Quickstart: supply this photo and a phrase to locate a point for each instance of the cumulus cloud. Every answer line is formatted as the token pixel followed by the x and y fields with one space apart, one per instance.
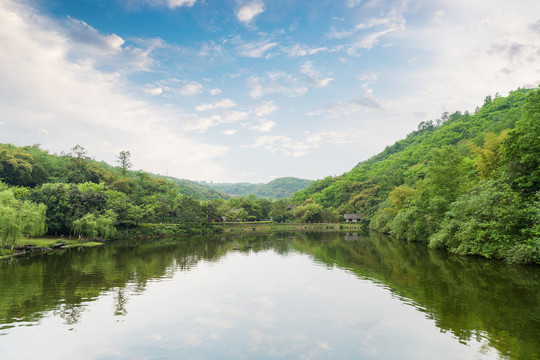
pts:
pixel 265 109
pixel 535 26
pixel 154 91
pixel 194 122
pixel 192 88
pixel 277 82
pixel 220 104
pixel 248 11
pixel 229 132
pixel 42 87
pixel 301 146
pixel 263 126
pixel 86 44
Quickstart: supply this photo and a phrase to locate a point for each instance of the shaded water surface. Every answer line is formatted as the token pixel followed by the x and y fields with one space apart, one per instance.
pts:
pixel 303 296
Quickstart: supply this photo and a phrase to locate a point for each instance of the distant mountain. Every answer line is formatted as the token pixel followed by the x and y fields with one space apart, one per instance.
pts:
pixel 276 189
pixel 200 191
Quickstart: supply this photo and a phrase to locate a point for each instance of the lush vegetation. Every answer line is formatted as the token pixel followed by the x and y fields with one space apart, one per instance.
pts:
pixel 276 189
pixel 469 183
pixel 71 194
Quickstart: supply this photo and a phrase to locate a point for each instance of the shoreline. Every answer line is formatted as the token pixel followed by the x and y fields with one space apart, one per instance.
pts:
pixel 41 245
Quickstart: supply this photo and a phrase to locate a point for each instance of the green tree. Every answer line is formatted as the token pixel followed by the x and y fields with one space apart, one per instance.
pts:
pixel 522 148
pixel 95 225
pixel 124 160
pixel 19 218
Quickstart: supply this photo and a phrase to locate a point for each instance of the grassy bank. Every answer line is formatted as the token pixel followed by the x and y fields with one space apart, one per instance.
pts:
pixel 270 227
pixel 44 244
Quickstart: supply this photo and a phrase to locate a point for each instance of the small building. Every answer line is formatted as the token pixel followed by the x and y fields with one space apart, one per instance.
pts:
pixel 352 217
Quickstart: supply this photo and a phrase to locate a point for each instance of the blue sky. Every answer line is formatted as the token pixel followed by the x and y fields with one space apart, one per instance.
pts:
pixel 236 90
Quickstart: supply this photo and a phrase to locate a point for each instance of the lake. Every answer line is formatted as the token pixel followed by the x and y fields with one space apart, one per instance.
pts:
pixel 287 296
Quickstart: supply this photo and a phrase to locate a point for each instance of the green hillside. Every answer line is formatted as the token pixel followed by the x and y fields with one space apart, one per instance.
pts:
pixel 466 182
pixel 198 190
pixel 276 189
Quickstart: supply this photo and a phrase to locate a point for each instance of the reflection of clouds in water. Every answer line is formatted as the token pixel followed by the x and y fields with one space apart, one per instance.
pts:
pixel 263 301
pixel 265 319
pixel 220 323
pixel 290 343
pixel 191 339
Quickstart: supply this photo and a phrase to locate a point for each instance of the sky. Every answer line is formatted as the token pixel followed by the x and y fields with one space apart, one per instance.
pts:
pixel 252 90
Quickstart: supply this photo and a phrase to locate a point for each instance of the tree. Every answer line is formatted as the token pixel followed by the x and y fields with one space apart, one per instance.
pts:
pixel 522 147
pixel 59 211
pixel 489 156
pixel 95 225
pixel 19 218
pixel 124 159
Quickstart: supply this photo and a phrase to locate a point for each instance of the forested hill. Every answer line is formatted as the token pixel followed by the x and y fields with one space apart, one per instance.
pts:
pixel 279 188
pixel 466 182
pixel 31 166
pixel 193 188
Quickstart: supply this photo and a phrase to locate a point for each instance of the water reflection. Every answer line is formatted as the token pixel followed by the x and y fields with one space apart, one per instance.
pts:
pixel 477 301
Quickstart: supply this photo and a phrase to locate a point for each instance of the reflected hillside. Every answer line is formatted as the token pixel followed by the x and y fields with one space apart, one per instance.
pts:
pixel 63 281
pixel 470 297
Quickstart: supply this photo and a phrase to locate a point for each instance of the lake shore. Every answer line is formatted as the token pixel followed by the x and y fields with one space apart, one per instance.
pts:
pixel 40 245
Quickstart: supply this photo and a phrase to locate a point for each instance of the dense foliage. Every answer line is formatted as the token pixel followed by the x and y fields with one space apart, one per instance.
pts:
pixel 71 194
pixel 279 188
pixel 469 183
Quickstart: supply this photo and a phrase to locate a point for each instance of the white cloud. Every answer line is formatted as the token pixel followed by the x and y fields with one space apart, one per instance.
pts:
pixel 193 122
pixel 439 18
pixel 353 3
pixel 255 49
pixel 367 101
pixel 43 88
pixel 192 88
pixel 171 4
pixel 154 91
pixel 220 104
pixel 87 45
pixel 280 144
pixel 314 77
pixel 263 126
pixel 299 50
pixel 177 3
pixel 287 146
pixel 233 116
pixel 247 12
pixel 266 109
pixel 215 91
pixel 229 132
pixel 277 82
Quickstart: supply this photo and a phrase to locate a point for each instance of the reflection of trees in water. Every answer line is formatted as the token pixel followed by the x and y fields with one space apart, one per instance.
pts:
pixel 71 313
pixel 120 301
pixel 61 282
pixel 474 299
pixel 471 298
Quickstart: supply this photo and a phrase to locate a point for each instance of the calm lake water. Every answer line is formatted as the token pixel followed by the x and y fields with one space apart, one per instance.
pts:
pixel 303 296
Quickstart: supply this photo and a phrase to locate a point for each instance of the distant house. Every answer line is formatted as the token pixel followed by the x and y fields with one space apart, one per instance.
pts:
pixel 352 217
